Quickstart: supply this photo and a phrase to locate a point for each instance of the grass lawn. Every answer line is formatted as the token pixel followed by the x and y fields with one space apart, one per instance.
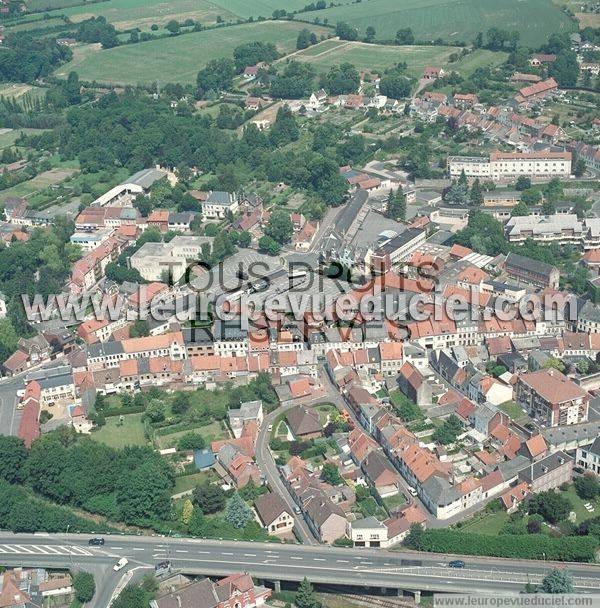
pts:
pixel 178 58
pixel 9 136
pixel 379 57
pixel 323 47
pixel 512 409
pixel 580 511
pixel 126 14
pixel 189 482
pixel 210 432
pixel 118 435
pixel 451 20
pixel 490 523
pixel 325 411
pixel 479 58
pixel 392 502
pixel 39 182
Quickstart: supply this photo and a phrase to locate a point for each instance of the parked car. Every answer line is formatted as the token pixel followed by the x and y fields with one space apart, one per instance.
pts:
pixel 412 491
pixel 96 542
pixel 456 563
pixel 120 564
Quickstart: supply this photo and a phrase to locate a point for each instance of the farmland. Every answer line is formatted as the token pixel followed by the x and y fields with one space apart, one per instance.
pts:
pixel 259 8
pixel 143 13
pixel 378 57
pixel 451 20
pixel 178 59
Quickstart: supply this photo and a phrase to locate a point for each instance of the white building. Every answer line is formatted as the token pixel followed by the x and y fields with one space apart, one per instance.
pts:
pixel 510 165
pixel 216 206
pixel 588 457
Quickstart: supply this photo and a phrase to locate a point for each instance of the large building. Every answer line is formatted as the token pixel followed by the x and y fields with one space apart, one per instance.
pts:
pixel 510 165
pixel 552 398
pixel 218 204
pixel 560 228
pixel 531 271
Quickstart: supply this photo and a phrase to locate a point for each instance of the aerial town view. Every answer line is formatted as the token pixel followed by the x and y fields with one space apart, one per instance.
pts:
pixel 299 303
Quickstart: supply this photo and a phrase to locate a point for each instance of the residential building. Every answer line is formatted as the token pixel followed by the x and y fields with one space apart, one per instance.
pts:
pixel 219 204
pixel 549 473
pixel 273 514
pixel 588 457
pixel 531 271
pixel 552 398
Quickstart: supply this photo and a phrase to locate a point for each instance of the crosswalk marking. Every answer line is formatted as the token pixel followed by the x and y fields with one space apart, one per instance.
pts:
pixel 45 550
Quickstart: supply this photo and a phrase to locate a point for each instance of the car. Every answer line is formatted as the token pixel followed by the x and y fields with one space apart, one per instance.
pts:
pixel 412 491
pixel 96 542
pixel 120 564
pixel 297 510
pixel 163 567
pixel 270 428
pixel 456 563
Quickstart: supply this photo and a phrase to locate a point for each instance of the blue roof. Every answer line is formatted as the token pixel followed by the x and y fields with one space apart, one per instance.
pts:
pixel 203 458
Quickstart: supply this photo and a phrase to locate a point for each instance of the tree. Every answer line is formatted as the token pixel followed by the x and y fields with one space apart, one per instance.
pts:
pixel 139 329
pixel 181 403
pixel 579 167
pixel 285 129
pixel 187 511
pixel 396 205
pixel 476 196
pixel 370 34
pixel 244 238
pixel 304 39
pixel 238 513
pixel 341 79
pixel 252 53
pixel 587 487
pixel 565 69
pixel 520 209
pixel 216 76
pixel 305 597
pixel 84 586
pixel 295 82
pixel 279 226
pixel 197 523
pixel 209 497
pixel 131 597
pixel 395 86
pixel 330 474
pixel 13 455
pixel 557 581
pixel 522 183
pixel 345 31
pixel 191 441
pixel 173 27
pixel 448 431
pixel 553 507
pixel 405 36
pixel 8 339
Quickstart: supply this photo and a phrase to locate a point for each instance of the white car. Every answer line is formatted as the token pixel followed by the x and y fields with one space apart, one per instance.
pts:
pixel 412 491
pixel 120 564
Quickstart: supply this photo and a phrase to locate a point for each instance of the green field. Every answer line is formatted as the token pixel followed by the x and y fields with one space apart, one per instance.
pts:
pixel 259 8
pixel 39 182
pixel 9 136
pixel 488 523
pixel 143 13
pixel 117 435
pixel 177 59
pixel 451 19
pixel 49 5
pixel 210 432
pixel 378 57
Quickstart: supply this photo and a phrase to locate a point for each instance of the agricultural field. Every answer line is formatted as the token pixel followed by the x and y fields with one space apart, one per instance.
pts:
pixel 126 14
pixel 179 58
pixel 39 182
pixel 49 5
pixel 9 136
pixel 378 57
pixel 259 8
pixel 451 20
pixel 19 90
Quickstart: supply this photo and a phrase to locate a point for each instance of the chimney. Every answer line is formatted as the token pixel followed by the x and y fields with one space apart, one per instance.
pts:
pixel 561 460
pixel 550 372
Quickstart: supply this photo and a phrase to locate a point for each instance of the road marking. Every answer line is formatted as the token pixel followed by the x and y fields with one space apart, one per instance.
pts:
pixel 205 552
pixel 319 559
pixel 342 561
pixel 293 557
pixel 227 553
pixel 249 554
pixel 117 548
pixel 181 551
pixel 51 549
pixel 25 549
pixel 138 549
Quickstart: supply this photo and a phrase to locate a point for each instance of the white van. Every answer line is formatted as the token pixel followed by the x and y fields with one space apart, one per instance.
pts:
pixel 120 564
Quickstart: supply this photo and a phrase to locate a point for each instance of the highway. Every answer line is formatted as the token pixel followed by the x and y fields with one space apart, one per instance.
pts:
pixel 273 561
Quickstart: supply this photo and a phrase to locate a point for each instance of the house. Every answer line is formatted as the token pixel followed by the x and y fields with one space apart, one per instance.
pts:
pixel 273 514
pixel 249 410
pixel 513 497
pixel 413 384
pixel 548 473
pixel 432 73
pixel 219 204
pixel 304 422
pixel 539 59
pixel 551 397
pixel 317 100
pixel 235 591
pixel 56 586
pixel 368 532
pixel 326 519
pixel 588 457
pixel 381 474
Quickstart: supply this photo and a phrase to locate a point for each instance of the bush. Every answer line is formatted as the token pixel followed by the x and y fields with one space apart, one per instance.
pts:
pixel 532 546
pixel 84 586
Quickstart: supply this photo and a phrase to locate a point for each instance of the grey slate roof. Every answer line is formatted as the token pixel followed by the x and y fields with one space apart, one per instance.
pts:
pixel 544 466
pixel 440 491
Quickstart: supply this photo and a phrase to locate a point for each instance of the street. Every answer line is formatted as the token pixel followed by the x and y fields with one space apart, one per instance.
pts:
pixel 10 416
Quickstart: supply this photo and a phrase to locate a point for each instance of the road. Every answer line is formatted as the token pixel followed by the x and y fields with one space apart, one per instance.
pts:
pixel 268 468
pixel 271 561
pixel 9 414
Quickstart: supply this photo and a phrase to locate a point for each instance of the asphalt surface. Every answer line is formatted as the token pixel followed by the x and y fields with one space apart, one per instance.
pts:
pixel 10 416
pixel 271 561
pixel 268 468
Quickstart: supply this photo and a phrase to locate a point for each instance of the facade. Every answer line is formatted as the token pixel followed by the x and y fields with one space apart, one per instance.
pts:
pixel 219 204
pixel 550 397
pixel 531 271
pixel 510 165
pixel 549 473
pixel 273 514
pixel 588 457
